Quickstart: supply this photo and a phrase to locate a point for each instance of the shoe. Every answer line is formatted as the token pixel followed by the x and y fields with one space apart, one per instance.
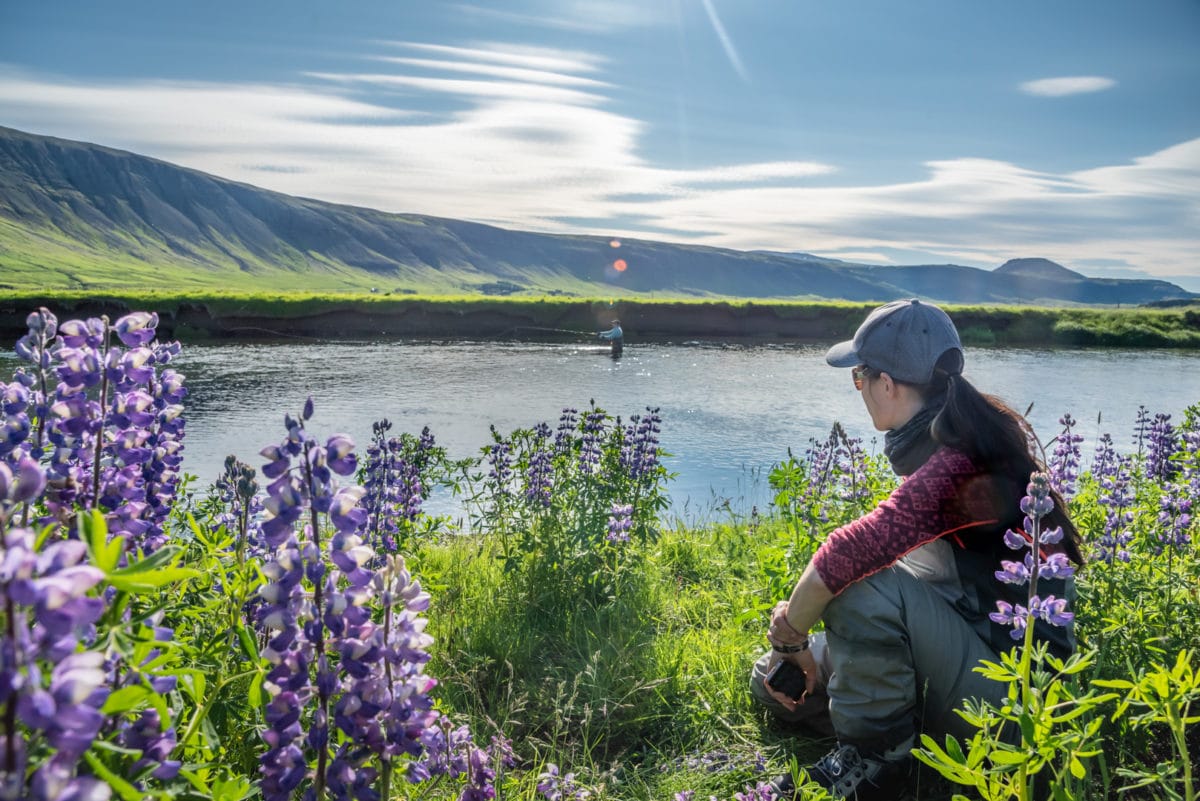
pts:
pixel 846 773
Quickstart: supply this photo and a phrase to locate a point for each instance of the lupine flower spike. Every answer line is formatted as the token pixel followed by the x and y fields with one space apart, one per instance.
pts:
pixel 1036 504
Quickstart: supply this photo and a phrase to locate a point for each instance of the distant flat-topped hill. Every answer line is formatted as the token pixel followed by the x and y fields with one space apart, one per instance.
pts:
pixel 79 216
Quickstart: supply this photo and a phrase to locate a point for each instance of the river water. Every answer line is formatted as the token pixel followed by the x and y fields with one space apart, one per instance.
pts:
pixel 729 412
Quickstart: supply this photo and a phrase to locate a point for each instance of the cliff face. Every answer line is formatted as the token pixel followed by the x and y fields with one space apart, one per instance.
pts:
pixel 76 215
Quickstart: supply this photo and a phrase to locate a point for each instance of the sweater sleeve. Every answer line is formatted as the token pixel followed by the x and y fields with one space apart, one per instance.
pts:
pixel 935 501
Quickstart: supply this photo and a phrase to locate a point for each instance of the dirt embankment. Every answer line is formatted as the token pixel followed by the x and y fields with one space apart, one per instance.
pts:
pixel 196 321
pixel 262 317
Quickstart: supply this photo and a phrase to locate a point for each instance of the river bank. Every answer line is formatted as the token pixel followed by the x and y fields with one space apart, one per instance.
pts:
pixel 199 317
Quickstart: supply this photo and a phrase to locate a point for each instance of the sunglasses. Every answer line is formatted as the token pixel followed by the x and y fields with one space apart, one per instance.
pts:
pixel 859 374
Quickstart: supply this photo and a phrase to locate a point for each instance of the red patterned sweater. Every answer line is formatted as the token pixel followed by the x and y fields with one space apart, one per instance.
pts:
pixel 948 496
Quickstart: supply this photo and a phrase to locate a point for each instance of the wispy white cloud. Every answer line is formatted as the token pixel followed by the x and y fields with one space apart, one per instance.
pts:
pixel 750 173
pixel 1068 85
pixel 859 256
pixel 594 16
pixel 491 90
pixel 494 71
pixel 531 150
pixel 546 59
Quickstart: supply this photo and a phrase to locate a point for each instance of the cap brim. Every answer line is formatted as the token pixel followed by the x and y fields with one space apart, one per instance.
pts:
pixel 842 354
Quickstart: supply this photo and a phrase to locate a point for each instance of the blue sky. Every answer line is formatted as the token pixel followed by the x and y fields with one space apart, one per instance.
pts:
pixel 877 131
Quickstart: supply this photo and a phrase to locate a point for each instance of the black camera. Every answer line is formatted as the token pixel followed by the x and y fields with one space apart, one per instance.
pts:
pixel 788 679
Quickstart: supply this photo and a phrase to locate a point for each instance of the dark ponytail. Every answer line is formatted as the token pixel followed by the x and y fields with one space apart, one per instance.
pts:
pixel 993 434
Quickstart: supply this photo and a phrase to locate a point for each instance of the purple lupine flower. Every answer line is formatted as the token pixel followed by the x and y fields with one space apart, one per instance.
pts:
pixel 556 787
pixel 1141 428
pixel 1007 614
pixel 1036 504
pixel 501 751
pixel 821 460
pixel 565 435
pixel 55 780
pixel 1057 566
pixel 333 665
pixel 156 743
pixel 15 425
pixel 762 791
pixel 850 466
pixel 395 484
pixel 1190 456
pixel 475 764
pixel 639 453
pixel 19 484
pixel 237 490
pixel 539 476
pixel 116 448
pixel 1104 463
pixel 37 347
pixel 136 329
pixel 1116 494
pixel 1162 445
pixel 620 520
pixel 380 480
pixel 1063 466
pixel 1175 516
pixel 499 456
pixel 1015 572
pixel 49 612
pixel 591 440
pixel 1052 610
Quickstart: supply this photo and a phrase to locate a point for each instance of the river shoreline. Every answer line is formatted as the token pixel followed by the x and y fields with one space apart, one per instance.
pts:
pixel 260 317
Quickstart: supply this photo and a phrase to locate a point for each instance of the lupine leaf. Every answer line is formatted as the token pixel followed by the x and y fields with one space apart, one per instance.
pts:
pixel 255 693
pixel 144 580
pixel 249 646
pixel 1006 757
pixel 124 699
pixel 124 789
pixel 105 554
pixel 954 750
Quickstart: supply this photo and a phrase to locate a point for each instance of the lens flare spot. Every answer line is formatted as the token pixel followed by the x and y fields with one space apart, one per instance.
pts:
pixel 619 265
pixel 616 243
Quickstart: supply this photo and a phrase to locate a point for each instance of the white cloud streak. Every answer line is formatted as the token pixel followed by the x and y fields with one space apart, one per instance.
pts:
pixel 591 16
pixel 532 58
pixel 530 150
pixel 1069 85
pixel 726 42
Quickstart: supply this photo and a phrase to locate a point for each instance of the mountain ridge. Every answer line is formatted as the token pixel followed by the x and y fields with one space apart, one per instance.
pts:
pixel 78 215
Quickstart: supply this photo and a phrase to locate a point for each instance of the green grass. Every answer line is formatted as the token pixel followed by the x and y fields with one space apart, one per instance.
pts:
pixel 624 692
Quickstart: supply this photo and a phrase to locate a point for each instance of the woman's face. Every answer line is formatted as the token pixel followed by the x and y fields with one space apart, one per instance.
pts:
pixel 889 404
pixel 871 387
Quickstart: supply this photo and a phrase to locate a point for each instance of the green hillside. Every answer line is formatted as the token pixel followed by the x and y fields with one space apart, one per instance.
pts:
pixel 80 216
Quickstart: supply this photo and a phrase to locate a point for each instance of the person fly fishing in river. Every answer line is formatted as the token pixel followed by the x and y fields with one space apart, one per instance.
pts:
pixel 615 336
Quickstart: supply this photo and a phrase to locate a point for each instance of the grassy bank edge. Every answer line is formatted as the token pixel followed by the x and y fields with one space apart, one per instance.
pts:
pixel 196 315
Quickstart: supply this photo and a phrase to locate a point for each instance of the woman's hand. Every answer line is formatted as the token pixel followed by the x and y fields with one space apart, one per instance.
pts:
pixel 781 632
pixel 803 660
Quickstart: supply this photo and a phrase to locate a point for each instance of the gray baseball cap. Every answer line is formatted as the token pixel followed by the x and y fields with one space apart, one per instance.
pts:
pixel 905 339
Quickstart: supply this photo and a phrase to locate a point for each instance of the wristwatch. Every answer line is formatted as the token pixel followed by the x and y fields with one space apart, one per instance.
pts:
pixel 790 649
